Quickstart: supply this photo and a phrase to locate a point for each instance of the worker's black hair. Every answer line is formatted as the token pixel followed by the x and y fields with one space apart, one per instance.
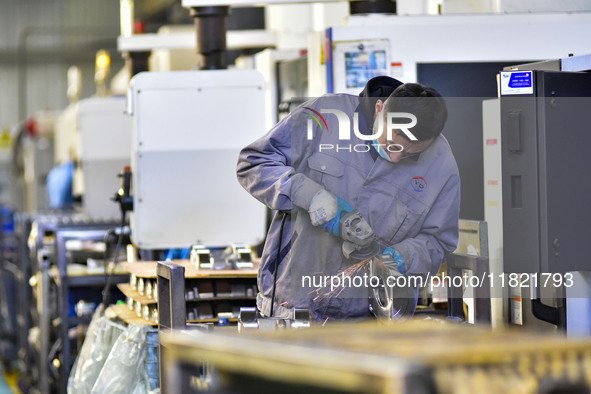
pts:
pixel 377 88
pixel 425 103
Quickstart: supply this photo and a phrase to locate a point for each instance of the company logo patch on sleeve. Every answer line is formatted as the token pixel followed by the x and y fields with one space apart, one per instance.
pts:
pixel 418 183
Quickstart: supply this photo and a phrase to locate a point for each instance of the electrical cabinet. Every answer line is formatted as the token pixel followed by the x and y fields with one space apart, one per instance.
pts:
pixel 545 126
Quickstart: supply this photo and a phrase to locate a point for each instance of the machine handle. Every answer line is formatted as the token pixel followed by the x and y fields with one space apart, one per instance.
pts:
pixel 514 132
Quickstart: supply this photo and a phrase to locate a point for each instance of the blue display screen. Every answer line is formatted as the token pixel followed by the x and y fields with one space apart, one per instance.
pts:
pixel 521 80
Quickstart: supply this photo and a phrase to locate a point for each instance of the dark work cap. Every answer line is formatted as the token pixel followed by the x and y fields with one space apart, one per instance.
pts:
pixel 378 87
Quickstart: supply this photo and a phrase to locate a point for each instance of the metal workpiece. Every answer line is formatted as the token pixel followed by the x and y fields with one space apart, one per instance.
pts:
pixel 387 299
pixel 251 319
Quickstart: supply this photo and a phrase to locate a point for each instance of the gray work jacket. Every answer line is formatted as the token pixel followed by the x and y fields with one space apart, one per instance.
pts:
pixel 412 206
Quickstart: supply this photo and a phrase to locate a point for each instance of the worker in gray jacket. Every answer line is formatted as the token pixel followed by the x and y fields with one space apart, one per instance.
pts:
pixel 381 154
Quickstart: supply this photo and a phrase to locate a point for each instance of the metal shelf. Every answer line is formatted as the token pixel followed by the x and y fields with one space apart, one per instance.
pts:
pixel 222 298
pixel 94 280
pixel 57 273
pixel 134 295
pixel 129 316
pixel 91 280
pixel 147 269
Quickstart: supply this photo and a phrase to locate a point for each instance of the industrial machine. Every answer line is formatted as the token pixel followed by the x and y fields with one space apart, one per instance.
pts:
pixel 32 158
pixel 370 44
pixel 95 133
pixel 546 216
pixel 188 127
pixel 544 118
pixel 449 54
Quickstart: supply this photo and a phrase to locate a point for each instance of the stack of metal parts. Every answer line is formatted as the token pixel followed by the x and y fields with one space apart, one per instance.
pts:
pixel 409 357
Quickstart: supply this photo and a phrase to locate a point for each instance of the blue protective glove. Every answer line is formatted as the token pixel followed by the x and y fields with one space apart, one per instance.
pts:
pixel 326 210
pixel 333 226
pixel 398 260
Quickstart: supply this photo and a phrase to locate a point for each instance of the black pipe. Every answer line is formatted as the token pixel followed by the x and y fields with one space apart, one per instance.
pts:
pixel 136 61
pixel 372 7
pixel 210 25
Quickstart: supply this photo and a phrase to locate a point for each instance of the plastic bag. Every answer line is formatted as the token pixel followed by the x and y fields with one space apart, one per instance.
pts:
pixel 124 364
pixel 100 337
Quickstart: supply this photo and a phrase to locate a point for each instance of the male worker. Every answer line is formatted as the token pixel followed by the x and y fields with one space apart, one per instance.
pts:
pixel 314 167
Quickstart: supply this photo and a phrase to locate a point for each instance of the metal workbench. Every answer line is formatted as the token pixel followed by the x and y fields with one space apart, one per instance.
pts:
pixel 416 356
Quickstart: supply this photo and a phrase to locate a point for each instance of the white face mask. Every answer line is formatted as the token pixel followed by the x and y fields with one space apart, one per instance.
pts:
pixel 376 144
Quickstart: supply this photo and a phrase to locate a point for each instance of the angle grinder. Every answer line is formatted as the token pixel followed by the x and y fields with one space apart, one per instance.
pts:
pixel 385 301
pixel 359 239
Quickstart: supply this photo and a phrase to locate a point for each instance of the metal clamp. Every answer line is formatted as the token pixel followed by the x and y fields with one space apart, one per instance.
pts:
pixel 201 257
pixel 251 319
pixel 239 257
